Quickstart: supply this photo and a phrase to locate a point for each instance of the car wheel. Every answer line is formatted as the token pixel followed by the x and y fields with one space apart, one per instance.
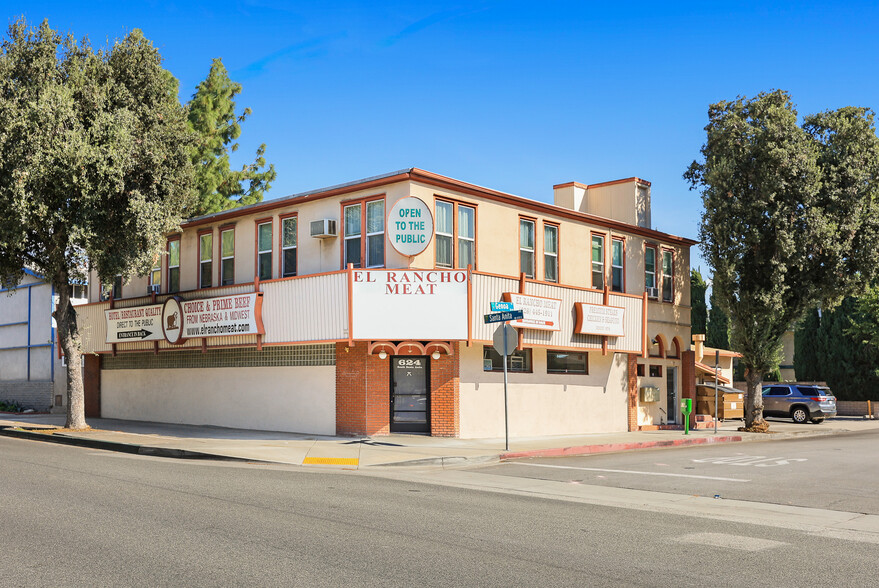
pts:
pixel 800 415
pixel 817 421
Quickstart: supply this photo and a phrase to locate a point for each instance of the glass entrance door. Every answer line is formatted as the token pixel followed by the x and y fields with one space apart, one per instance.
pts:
pixel 410 406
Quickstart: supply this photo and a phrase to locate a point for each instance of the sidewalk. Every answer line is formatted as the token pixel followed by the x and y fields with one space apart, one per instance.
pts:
pixel 207 442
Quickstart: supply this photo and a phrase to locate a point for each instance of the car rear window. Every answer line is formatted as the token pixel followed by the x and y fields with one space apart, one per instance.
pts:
pixel 814 391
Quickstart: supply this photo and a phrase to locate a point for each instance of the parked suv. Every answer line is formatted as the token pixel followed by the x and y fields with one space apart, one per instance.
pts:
pixel 801 402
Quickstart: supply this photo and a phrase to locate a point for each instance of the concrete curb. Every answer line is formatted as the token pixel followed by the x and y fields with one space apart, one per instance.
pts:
pixel 134 449
pixel 615 447
pixel 450 461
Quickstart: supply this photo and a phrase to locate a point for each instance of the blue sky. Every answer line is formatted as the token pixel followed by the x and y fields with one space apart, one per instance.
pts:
pixel 516 96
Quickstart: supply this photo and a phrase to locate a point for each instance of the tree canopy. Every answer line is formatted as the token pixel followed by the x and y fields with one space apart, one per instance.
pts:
pixel 94 165
pixel 790 220
pixel 717 329
pixel 698 308
pixel 212 116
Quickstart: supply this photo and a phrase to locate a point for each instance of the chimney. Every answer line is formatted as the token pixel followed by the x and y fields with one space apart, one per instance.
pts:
pixel 699 346
pixel 570 195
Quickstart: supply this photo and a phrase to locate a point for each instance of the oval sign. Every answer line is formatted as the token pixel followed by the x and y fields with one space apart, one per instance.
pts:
pixel 410 226
pixel 172 320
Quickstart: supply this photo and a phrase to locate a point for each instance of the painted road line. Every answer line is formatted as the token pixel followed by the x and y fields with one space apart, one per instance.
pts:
pixel 330 461
pixel 546 465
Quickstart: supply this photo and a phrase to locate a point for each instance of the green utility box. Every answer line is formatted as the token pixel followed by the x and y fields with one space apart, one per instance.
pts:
pixel 687 408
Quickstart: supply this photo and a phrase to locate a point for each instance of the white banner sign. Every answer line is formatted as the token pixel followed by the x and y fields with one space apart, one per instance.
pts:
pixel 139 323
pixel 537 312
pixel 409 304
pixel 238 314
pixel 595 319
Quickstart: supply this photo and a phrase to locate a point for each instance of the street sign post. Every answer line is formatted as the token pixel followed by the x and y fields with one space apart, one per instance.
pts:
pixel 505 339
pixel 499 306
pixel 500 317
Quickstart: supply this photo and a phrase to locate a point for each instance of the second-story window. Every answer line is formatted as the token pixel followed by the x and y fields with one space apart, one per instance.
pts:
pixel 113 290
pixel 174 265
pixel 550 253
pixel 288 246
pixel 227 257
pixel 598 262
pixel 365 247
pixel 352 234
pixel 526 247
pixel 617 268
pixel 155 281
pixel 466 236
pixel 264 250
pixel 206 260
pixel 650 271
pixel 445 234
pixel 667 276
pixel 452 227
pixel 375 233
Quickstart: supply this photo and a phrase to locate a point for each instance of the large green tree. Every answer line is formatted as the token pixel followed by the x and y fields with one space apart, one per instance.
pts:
pixel 94 166
pixel 698 308
pixel 212 116
pixel 790 220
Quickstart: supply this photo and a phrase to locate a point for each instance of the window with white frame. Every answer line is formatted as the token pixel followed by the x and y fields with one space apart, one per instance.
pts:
pixel 466 236
pixel 174 265
pixel 289 228
pixel 650 271
pixel 444 235
pixel 526 247
pixel 550 253
pixel 617 268
pixel 598 262
pixel 155 278
pixel 206 260
pixel 264 250
pixel 352 234
pixel 375 233
pixel 667 275
pixel 227 257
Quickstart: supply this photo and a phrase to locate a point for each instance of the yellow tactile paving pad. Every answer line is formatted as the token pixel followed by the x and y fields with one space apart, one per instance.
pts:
pixel 330 461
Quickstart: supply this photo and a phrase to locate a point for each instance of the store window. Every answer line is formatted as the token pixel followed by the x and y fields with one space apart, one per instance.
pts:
pixel 650 272
pixel 264 250
pixel 368 244
pixel 174 265
pixel 206 260
pixel 667 276
pixel 455 235
pixel 598 262
pixel 639 370
pixel 617 269
pixel 567 362
pixel 655 371
pixel 550 253
pixel 526 247
pixel 227 257
pixel 517 361
pixel 289 227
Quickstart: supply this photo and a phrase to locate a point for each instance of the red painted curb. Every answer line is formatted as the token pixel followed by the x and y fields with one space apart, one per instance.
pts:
pixel 608 447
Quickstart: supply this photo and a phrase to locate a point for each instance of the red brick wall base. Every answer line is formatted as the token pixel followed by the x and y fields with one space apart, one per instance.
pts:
pixel 363 400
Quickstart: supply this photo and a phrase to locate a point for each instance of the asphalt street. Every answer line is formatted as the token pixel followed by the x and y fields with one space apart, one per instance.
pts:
pixel 79 517
pixel 838 472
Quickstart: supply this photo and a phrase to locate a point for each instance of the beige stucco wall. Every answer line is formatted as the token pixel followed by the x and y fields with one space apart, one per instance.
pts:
pixel 541 403
pixel 292 399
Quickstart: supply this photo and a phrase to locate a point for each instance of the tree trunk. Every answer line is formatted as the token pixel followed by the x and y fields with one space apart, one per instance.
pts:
pixel 68 333
pixel 754 401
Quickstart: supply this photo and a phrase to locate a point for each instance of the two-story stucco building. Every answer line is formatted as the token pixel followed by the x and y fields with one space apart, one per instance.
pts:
pixel 358 309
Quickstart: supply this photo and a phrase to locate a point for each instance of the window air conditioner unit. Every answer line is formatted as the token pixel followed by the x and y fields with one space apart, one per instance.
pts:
pixel 154 289
pixel 652 292
pixel 324 228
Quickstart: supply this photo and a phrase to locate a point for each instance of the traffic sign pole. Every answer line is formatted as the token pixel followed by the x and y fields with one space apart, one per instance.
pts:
pixel 504 326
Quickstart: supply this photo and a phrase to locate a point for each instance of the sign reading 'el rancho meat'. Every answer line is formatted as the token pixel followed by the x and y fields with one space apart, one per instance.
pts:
pixel 538 312
pixel 409 304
